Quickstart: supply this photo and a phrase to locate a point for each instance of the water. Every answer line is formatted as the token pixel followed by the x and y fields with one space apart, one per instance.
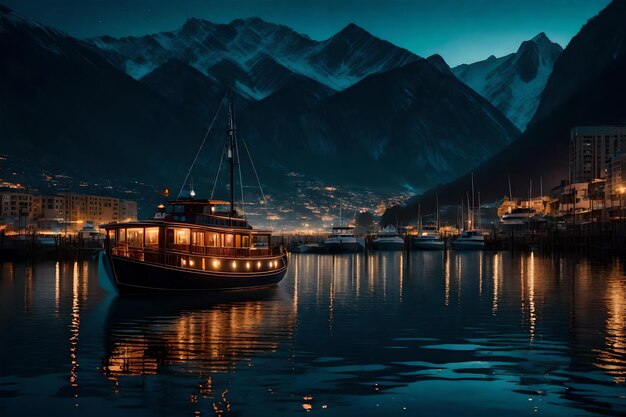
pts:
pixel 394 334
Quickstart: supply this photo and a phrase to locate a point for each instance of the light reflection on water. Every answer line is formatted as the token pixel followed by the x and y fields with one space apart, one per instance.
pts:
pixel 404 334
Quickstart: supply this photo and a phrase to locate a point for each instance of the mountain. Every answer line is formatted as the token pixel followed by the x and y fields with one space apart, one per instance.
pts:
pixel 64 104
pixel 413 125
pixel 542 150
pixel 514 83
pixel 403 124
pixel 250 45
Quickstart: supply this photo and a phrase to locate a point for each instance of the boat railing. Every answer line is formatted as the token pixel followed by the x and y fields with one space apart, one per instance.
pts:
pixel 156 253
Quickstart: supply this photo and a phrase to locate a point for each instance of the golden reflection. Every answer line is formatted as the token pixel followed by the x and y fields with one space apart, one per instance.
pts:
pixel 74 329
pixel 496 282
pixel 57 287
pixel 531 296
pixel 447 279
pixel 207 334
pixel 480 275
pixel 611 357
pixel 28 288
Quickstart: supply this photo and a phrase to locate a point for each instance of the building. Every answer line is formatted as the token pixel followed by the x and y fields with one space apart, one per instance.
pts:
pixel 65 212
pixel 591 150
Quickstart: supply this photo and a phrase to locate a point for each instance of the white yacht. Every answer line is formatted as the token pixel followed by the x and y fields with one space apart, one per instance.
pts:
pixel 343 239
pixel 388 239
pixel 469 240
pixel 428 239
pixel 519 215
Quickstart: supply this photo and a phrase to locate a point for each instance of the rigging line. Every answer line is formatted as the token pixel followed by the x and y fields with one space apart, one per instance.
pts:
pixel 219 168
pixel 206 135
pixel 254 169
pixel 245 145
pixel 243 210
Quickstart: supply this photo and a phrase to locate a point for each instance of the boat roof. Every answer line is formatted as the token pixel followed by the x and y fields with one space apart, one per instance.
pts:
pixel 160 222
pixel 198 201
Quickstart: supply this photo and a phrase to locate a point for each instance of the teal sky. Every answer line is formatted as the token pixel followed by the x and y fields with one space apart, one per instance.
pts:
pixel 460 30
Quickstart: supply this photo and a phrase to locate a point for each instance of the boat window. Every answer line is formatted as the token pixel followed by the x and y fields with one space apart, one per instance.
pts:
pixel 112 235
pixel 135 237
pixel 152 236
pixel 212 239
pixel 238 241
pixel 179 208
pixel 181 236
pixel 245 241
pixel 261 240
pixel 122 235
pixel 197 238
pixel 229 240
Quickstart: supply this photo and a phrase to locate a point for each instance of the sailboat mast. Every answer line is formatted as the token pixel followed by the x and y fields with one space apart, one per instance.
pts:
pixel 437 207
pixel 231 153
pixel 473 204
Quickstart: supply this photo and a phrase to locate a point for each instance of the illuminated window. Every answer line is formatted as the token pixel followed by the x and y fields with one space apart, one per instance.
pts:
pixel 152 236
pixel 229 240
pixel 181 236
pixel 197 238
pixel 135 237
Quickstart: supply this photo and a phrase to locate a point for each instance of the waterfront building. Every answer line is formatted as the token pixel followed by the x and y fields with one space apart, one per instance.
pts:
pixel 591 150
pixel 64 212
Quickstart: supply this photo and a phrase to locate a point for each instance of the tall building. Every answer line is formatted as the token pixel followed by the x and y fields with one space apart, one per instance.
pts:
pixel 591 150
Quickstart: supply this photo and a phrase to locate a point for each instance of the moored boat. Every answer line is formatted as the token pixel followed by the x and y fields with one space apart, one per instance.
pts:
pixel 343 239
pixel 388 239
pixel 193 245
pixel 469 240
pixel 428 239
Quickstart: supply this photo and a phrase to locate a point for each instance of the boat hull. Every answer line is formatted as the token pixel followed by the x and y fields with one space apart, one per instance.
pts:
pixel 388 245
pixel 431 244
pixel 343 247
pixel 132 276
pixel 468 245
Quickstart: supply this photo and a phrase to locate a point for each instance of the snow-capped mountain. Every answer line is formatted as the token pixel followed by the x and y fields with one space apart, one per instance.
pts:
pixel 514 83
pixel 253 46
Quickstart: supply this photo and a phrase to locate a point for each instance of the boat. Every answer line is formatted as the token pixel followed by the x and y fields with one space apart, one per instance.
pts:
pixel 193 244
pixel 388 239
pixel 469 240
pixel 342 239
pixel 517 216
pixel 428 239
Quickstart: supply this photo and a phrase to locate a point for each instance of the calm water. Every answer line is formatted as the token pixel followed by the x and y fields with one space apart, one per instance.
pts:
pixel 423 334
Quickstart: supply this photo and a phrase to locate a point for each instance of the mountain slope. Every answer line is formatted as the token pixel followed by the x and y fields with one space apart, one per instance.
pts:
pixel 514 83
pixel 543 149
pixel 396 124
pixel 62 102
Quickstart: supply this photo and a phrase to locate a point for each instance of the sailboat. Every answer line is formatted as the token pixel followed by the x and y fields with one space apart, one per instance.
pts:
pixel 193 244
pixel 470 238
pixel 428 237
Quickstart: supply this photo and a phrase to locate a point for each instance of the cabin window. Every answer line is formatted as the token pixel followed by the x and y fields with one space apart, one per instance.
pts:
pixel 122 235
pixel 261 240
pixel 179 208
pixel 212 239
pixel 181 236
pixel 229 240
pixel 135 237
pixel 152 236
pixel 112 236
pixel 238 241
pixel 245 241
pixel 197 238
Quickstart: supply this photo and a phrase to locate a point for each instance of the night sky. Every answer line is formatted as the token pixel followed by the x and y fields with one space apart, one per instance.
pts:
pixel 460 30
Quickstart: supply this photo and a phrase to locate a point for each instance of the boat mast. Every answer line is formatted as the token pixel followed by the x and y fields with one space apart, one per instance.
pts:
pixel 473 204
pixel 230 152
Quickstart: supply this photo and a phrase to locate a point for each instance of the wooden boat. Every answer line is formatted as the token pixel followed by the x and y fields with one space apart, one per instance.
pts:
pixel 193 245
